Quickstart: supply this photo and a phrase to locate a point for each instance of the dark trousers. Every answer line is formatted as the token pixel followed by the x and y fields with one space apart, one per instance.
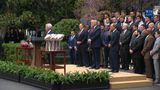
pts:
pixel 72 55
pixel 106 53
pixel 139 63
pixel 114 59
pixel 125 57
pixel 96 57
pixel 90 56
pixel 79 57
pixel 82 56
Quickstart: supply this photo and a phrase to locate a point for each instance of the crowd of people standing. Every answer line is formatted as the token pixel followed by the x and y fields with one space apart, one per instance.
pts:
pixel 117 41
pixel 14 36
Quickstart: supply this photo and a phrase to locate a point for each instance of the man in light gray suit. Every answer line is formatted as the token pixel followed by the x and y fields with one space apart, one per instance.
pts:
pixel 156 58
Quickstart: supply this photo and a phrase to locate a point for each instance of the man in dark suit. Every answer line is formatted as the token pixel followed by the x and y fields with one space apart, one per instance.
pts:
pixel 156 21
pixel 135 51
pixel 105 41
pixel 114 48
pixel 147 21
pixel 72 46
pixel 48 28
pixel 124 41
pixel 117 23
pixel 95 43
pixel 7 36
pixel 148 45
pixel 152 26
pixel 81 37
pixel 130 23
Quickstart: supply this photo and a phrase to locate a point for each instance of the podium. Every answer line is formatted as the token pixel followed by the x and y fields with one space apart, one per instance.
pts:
pixel 53 47
pixel 52 64
pixel 37 51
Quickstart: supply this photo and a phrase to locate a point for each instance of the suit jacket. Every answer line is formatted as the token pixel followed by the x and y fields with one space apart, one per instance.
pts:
pixel 95 36
pixel 105 38
pixel 115 40
pixel 147 23
pixel 155 26
pixel 125 38
pixel 82 37
pixel 156 49
pixel 50 32
pixel 119 27
pixel 137 46
pixel 72 41
pixel 148 44
pixel 153 31
pixel 130 26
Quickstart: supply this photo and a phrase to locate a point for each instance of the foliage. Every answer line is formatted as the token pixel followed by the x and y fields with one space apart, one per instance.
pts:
pixel 85 77
pixel 9 67
pixel 26 14
pixel 9 52
pixel 49 76
pixel 91 8
pixel 65 26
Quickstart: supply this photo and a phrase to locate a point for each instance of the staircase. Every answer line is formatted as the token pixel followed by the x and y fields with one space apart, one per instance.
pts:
pixel 128 80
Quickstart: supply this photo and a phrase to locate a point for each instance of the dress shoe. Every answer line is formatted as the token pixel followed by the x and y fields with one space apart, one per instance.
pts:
pixel 115 71
pixel 92 67
pixel 86 65
pixel 97 67
pixel 111 71
pixel 126 69
pixel 156 81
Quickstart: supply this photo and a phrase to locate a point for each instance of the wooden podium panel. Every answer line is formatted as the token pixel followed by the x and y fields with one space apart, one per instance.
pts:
pixel 52 64
pixel 23 55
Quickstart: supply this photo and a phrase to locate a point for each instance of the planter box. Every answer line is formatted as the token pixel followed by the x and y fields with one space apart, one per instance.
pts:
pixel 9 76
pixel 39 84
pixel 89 86
pixel 77 86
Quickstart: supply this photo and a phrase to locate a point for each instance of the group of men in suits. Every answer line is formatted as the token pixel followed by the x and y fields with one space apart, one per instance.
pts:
pixel 124 42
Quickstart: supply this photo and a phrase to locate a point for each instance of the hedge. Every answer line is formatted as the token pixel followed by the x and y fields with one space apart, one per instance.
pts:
pixel 49 76
pixel 9 52
pixel 65 26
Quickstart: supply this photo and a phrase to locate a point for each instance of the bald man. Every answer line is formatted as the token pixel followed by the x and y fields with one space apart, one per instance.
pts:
pixel 152 26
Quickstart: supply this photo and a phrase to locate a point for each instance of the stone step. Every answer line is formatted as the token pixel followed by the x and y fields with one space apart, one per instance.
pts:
pixel 127 78
pixel 131 84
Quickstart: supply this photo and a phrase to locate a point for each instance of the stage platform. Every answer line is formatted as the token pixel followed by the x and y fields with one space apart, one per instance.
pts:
pixel 122 79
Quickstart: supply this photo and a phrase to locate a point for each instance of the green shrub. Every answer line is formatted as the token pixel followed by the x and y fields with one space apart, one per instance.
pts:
pixel 65 26
pixel 9 52
pixel 49 76
pixel 8 67
pixel 85 77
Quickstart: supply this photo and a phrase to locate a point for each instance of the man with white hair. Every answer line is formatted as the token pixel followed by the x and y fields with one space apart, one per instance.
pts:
pixel 124 41
pixel 48 28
